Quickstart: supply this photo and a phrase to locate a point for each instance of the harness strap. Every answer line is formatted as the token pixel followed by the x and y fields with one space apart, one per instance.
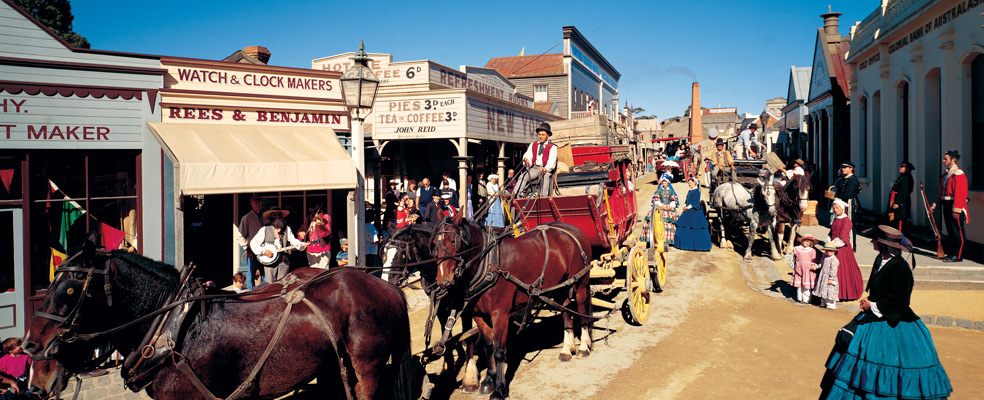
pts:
pixel 334 343
pixel 296 296
pixel 182 365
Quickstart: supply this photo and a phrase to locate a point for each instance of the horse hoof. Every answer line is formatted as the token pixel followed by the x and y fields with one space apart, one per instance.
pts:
pixel 565 356
pixel 583 354
pixel 486 389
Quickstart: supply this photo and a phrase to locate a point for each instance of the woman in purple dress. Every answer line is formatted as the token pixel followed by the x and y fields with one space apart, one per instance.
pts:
pixel 849 279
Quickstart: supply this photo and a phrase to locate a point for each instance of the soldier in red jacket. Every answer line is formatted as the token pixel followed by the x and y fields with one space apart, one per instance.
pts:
pixel 953 198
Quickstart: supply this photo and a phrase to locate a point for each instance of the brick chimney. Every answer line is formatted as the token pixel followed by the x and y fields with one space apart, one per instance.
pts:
pixel 696 129
pixel 830 24
pixel 258 52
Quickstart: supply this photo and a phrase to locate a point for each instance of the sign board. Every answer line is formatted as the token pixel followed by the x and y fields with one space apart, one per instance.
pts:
pixel 218 114
pixel 70 122
pixel 389 73
pixel 204 76
pixel 491 121
pixel 419 117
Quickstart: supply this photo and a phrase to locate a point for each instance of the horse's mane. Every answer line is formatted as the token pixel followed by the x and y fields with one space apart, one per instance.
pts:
pixel 155 277
pixel 760 203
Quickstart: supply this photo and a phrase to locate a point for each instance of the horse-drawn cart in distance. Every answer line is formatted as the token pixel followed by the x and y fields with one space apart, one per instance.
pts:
pixel 599 198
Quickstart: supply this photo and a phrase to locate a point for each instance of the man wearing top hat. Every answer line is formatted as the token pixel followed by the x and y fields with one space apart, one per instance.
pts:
pixel 898 198
pixel 435 209
pixel 251 223
pixel 279 235
pixel 846 188
pixel 540 160
pixel 953 198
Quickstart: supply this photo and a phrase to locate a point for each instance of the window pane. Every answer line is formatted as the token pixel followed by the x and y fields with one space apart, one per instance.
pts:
pixel 115 220
pixel 65 169
pixel 112 174
pixel 6 251
pixel 10 177
pixel 58 230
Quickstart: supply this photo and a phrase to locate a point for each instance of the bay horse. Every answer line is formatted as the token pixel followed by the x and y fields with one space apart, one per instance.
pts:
pixel 735 202
pixel 550 263
pixel 789 211
pixel 342 326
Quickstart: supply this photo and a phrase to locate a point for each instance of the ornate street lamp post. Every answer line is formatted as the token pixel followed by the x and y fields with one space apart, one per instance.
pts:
pixel 764 119
pixel 359 86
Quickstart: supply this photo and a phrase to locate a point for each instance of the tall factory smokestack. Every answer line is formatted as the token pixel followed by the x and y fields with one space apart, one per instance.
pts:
pixel 696 134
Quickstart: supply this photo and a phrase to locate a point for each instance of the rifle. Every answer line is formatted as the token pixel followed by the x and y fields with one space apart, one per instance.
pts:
pixel 932 222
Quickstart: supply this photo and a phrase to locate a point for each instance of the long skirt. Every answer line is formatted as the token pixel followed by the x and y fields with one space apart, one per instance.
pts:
pixel 849 280
pixel 495 217
pixel 669 224
pixel 692 233
pixel 882 362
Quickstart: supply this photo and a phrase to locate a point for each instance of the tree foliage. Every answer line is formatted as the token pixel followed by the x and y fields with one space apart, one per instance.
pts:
pixel 57 16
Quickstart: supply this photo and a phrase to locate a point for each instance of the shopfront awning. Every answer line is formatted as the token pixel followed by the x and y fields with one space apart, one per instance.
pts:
pixel 225 158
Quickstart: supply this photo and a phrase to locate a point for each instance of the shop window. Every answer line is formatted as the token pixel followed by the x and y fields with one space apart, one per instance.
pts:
pixel 74 194
pixel 977 121
pixel 10 177
pixel 540 93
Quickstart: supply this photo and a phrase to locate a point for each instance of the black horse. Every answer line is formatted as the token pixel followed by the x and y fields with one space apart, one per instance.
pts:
pixel 411 247
pixel 344 327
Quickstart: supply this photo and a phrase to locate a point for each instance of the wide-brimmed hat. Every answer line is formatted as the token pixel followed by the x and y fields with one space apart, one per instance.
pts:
pixel 493 176
pixel 394 182
pixel 446 194
pixel 808 237
pixel 889 236
pixel 275 213
pixel 799 161
pixel 720 142
pixel 546 128
pixel 829 246
pixel 908 166
pixel 753 126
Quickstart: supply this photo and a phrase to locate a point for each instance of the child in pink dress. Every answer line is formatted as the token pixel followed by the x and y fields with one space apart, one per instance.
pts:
pixel 804 271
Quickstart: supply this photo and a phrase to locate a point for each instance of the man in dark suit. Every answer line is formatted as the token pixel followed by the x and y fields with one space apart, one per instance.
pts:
pixel 898 199
pixel 846 188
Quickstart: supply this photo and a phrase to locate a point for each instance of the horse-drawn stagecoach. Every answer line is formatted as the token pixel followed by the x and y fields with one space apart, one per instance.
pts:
pixel 599 198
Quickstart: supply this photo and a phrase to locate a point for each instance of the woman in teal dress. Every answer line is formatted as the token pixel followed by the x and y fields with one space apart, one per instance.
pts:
pixel 891 354
pixel 692 233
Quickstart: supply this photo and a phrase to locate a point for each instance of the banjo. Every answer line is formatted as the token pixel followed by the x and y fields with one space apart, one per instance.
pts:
pixel 263 259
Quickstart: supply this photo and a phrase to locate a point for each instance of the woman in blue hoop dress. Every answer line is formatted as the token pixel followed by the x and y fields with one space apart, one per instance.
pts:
pixel 692 233
pixel 891 354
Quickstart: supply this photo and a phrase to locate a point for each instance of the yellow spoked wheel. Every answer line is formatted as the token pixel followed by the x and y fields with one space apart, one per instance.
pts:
pixel 659 260
pixel 659 273
pixel 636 278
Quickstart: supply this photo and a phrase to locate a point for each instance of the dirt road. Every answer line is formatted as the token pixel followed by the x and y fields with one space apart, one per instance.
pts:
pixel 709 336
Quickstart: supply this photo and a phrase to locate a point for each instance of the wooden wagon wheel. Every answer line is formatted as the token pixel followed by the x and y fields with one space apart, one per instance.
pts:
pixel 658 240
pixel 636 278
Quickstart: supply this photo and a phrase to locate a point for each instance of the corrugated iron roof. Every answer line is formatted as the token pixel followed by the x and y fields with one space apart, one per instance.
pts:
pixel 527 66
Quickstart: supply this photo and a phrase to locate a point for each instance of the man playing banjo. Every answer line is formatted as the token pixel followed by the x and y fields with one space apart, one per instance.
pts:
pixel 273 239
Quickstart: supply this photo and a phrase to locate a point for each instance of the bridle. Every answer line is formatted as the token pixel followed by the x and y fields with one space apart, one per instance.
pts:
pixel 456 255
pixel 69 323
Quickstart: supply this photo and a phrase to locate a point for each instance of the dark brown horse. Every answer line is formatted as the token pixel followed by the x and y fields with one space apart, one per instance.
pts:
pixel 410 248
pixel 553 256
pixel 344 327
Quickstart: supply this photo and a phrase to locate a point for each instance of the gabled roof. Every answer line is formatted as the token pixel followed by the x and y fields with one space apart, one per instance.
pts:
pixel 528 66
pixel 828 61
pixel 799 83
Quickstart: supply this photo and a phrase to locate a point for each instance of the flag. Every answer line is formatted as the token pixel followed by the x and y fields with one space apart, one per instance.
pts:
pixel 68 217
pixel 57 258
pixel 111 237
pixel 521 51
pixel 7 177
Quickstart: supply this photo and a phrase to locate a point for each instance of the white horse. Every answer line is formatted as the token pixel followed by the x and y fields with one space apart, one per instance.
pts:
pixel 758 208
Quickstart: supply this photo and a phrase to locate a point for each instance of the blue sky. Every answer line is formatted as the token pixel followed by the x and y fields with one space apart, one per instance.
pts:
pixel 739 51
